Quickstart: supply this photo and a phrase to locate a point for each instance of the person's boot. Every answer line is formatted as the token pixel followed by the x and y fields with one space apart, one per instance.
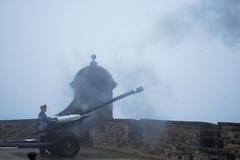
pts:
pixel 32 155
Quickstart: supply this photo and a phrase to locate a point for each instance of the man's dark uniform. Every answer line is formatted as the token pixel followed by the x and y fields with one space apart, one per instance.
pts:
pixel 42 119
pixel 42 123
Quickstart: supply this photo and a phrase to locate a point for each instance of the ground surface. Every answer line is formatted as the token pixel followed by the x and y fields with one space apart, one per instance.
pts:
pixel 84 154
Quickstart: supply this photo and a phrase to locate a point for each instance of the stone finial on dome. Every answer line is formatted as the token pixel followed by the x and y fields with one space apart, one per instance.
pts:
pixel 93 57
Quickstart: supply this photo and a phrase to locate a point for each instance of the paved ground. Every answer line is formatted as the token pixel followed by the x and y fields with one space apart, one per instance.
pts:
pixel 84 154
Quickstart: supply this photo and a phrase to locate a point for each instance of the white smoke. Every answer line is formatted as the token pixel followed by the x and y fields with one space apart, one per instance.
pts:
pixel 184 53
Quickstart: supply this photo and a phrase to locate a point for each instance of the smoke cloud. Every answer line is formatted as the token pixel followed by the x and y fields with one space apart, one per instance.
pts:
pixel 220 19
pixel 184 53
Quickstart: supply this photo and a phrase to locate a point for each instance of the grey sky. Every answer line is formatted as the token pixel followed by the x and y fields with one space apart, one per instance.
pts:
pixel 185 54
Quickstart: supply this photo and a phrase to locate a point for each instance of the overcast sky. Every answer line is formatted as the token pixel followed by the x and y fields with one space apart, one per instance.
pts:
pixel 184 53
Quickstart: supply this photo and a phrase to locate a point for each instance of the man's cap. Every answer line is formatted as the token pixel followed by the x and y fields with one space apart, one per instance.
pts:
pixel 43 106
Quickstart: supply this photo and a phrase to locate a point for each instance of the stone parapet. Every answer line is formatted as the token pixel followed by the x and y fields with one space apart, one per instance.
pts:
pixel 17 129
pixel 230 134
pixel 164 139
pixel 168 140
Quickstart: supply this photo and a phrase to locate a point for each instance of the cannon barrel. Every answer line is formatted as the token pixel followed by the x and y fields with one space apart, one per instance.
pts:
pixel 139 89
pixel 83 112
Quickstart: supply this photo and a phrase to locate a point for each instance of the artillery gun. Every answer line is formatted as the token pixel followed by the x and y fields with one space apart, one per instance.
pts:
pixel 59 138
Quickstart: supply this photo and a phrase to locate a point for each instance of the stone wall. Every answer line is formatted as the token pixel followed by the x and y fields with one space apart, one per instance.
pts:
pixel 167 139
pixel 17 129
pixel 230 134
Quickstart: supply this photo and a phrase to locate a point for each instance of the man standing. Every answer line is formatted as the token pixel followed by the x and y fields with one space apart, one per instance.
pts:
pixel 43 122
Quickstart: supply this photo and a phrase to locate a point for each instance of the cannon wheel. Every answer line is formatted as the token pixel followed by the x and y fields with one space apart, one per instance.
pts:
pixel 66 145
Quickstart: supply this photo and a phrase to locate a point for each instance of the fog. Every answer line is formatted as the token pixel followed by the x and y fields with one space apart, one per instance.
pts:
pixel 184 53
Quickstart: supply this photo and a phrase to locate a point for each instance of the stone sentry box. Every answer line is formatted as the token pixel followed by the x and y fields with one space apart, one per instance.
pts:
pixel 92 85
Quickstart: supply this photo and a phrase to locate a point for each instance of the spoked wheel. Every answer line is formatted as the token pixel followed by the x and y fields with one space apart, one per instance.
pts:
pixel 68 144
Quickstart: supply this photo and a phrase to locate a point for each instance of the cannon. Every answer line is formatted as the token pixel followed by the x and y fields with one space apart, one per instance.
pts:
pixel 59 140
